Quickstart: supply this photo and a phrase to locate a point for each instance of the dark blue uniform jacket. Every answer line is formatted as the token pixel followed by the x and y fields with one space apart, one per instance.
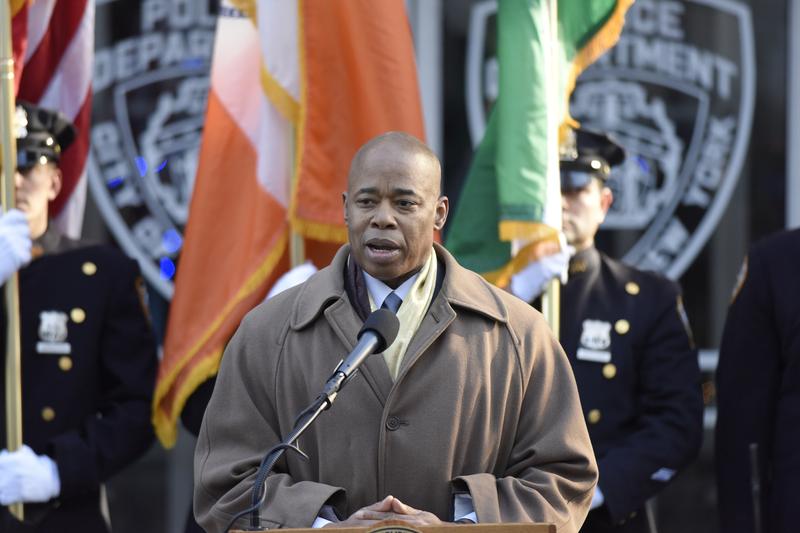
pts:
pixel 636 367
pixel 758 391
pixel 88 372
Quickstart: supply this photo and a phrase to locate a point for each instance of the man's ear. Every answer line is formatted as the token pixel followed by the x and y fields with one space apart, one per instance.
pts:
pixel 442 209
pixel 606 199
pixel 344 206
pixel 56 181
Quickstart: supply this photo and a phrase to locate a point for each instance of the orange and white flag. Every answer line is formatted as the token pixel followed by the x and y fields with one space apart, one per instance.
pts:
pixel 297 86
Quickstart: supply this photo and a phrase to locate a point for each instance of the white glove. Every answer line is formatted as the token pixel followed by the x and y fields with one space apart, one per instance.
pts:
pixel 15 243
pixel 529 282
pixel 26 477
pixel 295 276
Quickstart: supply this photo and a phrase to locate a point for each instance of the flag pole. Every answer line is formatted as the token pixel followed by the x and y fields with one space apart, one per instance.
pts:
pixel 297 245
pixel 551 308
pixel 297 249
pixel 551 298
pixel 11 290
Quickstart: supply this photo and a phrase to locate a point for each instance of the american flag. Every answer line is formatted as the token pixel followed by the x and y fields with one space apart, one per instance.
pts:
pixel 53 42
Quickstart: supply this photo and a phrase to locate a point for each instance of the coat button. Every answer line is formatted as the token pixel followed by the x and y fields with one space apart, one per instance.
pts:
pixel 89 268
pixel 594 416
pixel 393 423
pixel 65 363
pixel 77 315
pixel 48 414
pixel 609 371
pixel 632 288
pixel 622 326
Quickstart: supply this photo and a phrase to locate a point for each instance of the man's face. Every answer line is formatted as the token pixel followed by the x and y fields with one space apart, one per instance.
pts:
pixel 392 207
pixel 35 188
pixel 583 211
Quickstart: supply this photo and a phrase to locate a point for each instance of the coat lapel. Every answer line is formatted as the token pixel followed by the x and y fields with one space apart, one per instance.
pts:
pixel 346 323
pixel 324 293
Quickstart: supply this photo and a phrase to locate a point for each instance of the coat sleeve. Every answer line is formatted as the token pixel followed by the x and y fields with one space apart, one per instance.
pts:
pixel 669 428
pixel 239 426
pixel 550 474
pixel 121 431
pixel 748 383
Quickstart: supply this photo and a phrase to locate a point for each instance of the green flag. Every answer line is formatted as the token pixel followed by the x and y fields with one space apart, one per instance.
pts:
pixel 511 197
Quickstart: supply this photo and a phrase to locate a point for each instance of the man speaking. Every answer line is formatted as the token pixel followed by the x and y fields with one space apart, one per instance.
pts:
pixel 471 414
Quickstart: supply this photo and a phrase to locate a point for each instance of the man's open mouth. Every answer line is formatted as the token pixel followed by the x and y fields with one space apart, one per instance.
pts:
pixel 382 249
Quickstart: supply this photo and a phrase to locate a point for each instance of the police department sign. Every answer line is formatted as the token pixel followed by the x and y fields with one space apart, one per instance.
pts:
pixel 150 90
pixel 677 91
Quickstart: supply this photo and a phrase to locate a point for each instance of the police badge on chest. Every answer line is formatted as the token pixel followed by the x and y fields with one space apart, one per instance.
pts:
pixel 53 333
pixel 595 341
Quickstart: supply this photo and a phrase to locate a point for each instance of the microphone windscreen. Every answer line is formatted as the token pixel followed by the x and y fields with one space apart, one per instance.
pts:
pixel 384 324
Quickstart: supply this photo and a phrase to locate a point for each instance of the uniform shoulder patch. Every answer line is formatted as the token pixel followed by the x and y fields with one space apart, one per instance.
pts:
pixel 741 277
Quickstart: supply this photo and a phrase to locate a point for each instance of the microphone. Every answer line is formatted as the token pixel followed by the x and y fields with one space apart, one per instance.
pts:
pixel 377 333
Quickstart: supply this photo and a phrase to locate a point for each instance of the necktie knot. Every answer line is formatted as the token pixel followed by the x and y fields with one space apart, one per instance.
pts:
pixel 392 302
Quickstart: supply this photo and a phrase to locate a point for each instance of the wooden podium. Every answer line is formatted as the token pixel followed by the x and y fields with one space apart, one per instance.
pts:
pixel 395 526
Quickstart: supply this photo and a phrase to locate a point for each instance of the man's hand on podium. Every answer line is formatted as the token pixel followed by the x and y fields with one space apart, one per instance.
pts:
pixel 390 508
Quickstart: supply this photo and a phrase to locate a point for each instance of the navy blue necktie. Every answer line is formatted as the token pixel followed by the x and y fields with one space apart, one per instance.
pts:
pixel 392 302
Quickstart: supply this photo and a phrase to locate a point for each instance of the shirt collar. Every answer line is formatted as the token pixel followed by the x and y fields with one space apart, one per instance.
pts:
pixel 378 290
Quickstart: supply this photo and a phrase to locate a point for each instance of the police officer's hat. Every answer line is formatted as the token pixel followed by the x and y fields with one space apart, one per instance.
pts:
pixel 586 155
pixel 42 134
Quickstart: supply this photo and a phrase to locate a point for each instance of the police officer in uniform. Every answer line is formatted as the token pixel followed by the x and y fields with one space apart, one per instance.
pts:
pixel 88 354
pixel 628 339
pixel 758 393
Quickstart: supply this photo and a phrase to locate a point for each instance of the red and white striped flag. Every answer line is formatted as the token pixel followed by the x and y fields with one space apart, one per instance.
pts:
pixel 55 43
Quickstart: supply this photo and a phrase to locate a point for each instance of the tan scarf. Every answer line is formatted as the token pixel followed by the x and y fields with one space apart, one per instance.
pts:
pixel 411 313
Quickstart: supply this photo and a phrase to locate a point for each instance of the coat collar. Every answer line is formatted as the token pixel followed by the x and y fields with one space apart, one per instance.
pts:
pixel 461 288
pixel 466 289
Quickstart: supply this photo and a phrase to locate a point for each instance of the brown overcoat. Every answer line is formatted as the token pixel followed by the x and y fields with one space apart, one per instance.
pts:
pixel 485 402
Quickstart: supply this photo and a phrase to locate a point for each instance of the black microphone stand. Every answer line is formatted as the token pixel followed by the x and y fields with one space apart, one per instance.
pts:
pixel 382 326
pixel 303 421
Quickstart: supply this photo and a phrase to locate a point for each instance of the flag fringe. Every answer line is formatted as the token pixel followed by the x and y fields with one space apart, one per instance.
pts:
pixel 165 423
pixel 284 102
pixel 510 230
pixel 253 283
pixel 16 5
pixel 605 38
pixel 319 231
pixel 547 244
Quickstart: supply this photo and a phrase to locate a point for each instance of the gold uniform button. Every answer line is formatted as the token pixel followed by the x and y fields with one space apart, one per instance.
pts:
pixel 622 326
pixel 594 416
pixel 609 371
pixel 48 414
pixel 77 315
pixel 632 288
pixel 89 268
pixel 65 363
